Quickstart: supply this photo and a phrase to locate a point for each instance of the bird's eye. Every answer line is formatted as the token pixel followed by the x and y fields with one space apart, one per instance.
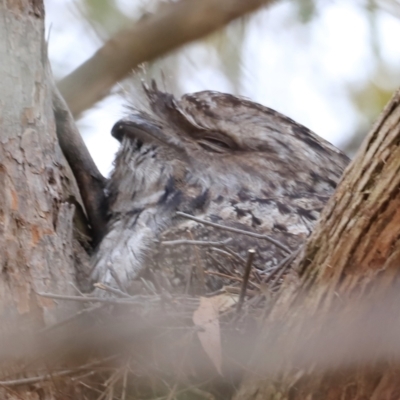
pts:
pixel 213 145
pixel 216 145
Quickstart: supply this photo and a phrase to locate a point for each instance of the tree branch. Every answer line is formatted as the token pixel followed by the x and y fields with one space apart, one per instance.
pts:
pixel 171 27
pixel 90 181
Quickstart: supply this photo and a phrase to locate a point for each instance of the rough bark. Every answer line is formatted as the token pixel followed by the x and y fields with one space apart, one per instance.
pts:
pixel 37 191
pixel 353 253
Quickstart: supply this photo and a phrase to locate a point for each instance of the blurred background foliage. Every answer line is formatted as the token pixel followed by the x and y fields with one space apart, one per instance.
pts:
pixel 329 64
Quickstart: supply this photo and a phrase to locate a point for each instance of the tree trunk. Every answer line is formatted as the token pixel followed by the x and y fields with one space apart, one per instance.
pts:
pixel 353 254
pixel 38 250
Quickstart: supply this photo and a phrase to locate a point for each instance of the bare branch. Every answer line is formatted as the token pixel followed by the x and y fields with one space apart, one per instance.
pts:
pixel 250 257
pixel 195 242
pixel 172 26
pixel 36 379
pixel 88 299
pixel 282 266
pixel 235 230
pixel 112 290
pixel 90 181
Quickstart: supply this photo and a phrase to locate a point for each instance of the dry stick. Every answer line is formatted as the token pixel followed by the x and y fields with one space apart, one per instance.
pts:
pixel 235 230
pixel 227 251
pixel 132 300
pixel 221 266
pixel 149 286
pixel 71 318
pixel 172 392
pixel 112 290
pixel 29 381
pixel 173 25
pixel 109 384
pixel 276 269
pixel 233 278
pixel 282 265
pixel 250 257
pixel 284 268
pixel 125 381
pixel 89 387
pixel 195 242
pixel 76 378
pixel 281 268
pixel 13 392
pixel 220 274
pixel 137 299
pixel 257 274
pixel 77 289
pixel 82 299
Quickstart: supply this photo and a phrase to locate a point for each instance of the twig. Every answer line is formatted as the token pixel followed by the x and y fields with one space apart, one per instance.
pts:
pixel 235 230
pixel 281 265
pixel 13 392
pixel 124 381
pixel 195 242
pixel 112 290
pixel 149 286
pixel 250 257
pixel 83 299
pixel 233 278
pixel 71 318
pixel 75 378
pixel 172 392
pixel 77 289
pixel 138 299
pixel 256 274
pixel 29 381
pixel 276 269
pixel 109 384
pixel 112 379
pixel 220 266
pixel 284 266
pixel 227 251
pixel 89 387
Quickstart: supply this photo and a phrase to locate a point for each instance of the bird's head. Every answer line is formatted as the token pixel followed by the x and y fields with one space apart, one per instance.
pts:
pixel 220 141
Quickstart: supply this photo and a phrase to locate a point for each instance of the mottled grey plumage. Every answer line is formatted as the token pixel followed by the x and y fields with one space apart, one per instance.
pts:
pixel 223 159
